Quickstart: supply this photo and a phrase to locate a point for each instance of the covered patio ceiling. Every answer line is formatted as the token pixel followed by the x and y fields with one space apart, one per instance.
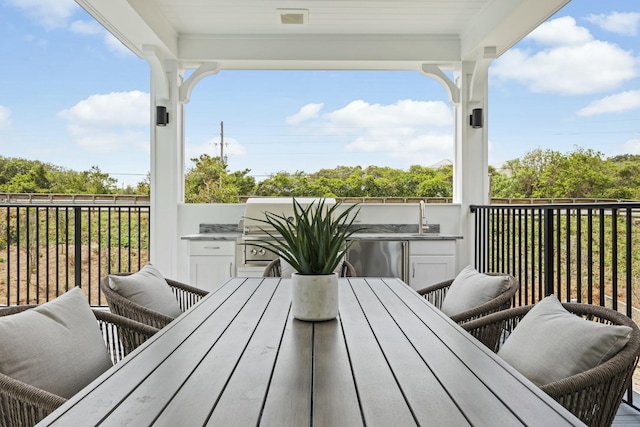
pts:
pixel 321 34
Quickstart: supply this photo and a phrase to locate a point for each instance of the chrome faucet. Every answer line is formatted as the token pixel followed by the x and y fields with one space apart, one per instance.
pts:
pixel 422 220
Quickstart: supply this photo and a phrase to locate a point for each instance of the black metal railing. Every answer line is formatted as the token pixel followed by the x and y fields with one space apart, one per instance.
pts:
pixel 587 253
pixel 46 249
pixel 579 252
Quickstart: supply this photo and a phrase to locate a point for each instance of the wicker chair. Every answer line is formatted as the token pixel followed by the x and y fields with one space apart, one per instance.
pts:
pixel 273 269
pixel 185 294
pixel 22 404
pixel 435 294
pixel 595 395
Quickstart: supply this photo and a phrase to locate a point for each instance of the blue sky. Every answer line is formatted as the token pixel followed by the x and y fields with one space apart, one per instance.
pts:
pixel 71 95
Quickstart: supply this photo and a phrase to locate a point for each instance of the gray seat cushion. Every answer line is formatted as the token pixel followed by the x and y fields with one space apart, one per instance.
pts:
pixel 470 289
pixel 147 288
pixel 57 347
pixel 550 343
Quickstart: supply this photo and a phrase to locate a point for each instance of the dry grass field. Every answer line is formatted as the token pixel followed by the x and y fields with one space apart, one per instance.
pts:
pixel 31 279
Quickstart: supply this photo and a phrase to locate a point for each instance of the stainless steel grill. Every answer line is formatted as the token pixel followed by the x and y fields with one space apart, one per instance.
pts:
pixel 255 208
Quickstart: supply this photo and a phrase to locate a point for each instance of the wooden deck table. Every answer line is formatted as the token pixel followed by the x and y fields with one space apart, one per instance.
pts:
pixel 238 358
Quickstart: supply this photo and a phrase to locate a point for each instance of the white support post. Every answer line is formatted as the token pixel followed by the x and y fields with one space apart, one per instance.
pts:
pixel 471 181
pixel 470 174
pixel 167 170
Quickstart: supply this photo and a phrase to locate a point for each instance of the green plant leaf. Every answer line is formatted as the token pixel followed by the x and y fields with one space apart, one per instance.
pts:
pixel 315 241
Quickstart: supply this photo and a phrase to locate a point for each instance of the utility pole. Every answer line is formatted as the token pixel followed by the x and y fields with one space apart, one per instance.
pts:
pixel 222 157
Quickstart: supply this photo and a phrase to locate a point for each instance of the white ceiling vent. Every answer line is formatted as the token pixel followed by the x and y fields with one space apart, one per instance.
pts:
pixel 292 16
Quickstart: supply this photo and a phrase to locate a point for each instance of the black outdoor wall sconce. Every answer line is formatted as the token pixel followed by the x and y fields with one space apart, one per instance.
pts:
pixel 475 119
pixel 162 116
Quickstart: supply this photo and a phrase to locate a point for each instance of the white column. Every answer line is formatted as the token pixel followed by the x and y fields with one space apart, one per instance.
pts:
pixel 167 166
pixel 471 181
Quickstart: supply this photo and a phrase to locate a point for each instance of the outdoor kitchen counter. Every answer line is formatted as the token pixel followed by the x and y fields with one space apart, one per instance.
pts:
pixel 356 236
pixel 220 232
pixel 403 236
pixel 212 236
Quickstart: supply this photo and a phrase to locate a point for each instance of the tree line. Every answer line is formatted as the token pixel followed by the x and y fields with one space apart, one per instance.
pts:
pixel 581 173
pixel 33 176
pixel 209 181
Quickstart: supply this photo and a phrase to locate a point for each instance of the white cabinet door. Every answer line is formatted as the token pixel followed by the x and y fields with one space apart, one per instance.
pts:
pixel 431 262
pixel 425 270
pixel 211 263
pixel 209 272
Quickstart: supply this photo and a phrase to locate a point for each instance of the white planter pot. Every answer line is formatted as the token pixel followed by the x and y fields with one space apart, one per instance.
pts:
pixel 314 298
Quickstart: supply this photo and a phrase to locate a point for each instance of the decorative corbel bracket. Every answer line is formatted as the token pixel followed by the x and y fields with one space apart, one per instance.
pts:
pixel 204 70
pixel 481 74
pixel 160 82
pixel 451 88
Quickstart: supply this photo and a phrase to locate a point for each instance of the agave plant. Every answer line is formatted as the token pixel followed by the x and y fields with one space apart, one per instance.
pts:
pixel 314 242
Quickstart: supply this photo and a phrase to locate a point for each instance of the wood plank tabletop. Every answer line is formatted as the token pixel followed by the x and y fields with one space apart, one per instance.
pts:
pixel 239 358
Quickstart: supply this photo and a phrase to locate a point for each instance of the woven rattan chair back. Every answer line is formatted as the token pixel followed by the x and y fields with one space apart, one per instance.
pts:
pixel 435 294
pixel 22 404
pixel 185 295
pixel 595 395
pixel 273 269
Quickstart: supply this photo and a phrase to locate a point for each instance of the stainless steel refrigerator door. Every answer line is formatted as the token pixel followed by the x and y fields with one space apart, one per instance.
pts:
pixel 379 258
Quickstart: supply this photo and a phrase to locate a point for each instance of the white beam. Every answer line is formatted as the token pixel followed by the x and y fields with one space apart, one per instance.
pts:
pixel 320 52
pixel 135 23
pixel 505 22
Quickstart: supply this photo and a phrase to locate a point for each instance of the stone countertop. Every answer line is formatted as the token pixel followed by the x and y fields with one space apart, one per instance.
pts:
pixel 356 236
pixel 211 236
pixel 403 236
pixel 373 232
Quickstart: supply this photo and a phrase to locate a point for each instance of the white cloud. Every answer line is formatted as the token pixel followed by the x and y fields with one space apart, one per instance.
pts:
pixel 37 41
pixel 56 14
pixel 92 28
pixel 405 112
pixel 110 122
pixel 86 27
pixel 561 31
pixel 617 103
pixel 108 140
pixel 116 108
pixel 572 62
pixel 49 13
pixel 309 111
pixel 632 146
pixel 416 130
pixel 625 23
pixel 5 117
